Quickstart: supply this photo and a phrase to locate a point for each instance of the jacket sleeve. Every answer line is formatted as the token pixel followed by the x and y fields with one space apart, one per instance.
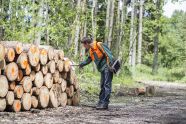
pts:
pixel 86 62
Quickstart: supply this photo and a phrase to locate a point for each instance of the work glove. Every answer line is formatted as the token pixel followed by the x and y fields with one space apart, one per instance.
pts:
pixel 81 65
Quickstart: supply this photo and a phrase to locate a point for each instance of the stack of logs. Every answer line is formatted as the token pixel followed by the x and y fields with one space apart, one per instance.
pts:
pixel 35 77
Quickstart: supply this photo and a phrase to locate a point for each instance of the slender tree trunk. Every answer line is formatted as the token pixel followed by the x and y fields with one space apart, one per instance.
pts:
pixel 111 23
pixel 77 27
pixel 140 32
pixel 156 39
pixel 94 24
pixel 107 21
pixel 131 32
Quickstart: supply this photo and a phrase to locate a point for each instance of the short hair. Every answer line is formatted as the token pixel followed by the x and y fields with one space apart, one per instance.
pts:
pixel 87 40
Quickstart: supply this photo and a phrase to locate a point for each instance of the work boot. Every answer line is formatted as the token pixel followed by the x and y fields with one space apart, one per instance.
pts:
pixel 102 107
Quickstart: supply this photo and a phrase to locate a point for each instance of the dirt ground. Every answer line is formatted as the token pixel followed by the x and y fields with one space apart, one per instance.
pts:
pixel 166 107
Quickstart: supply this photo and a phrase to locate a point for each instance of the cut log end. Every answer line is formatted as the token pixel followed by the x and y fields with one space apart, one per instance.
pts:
pixel 12 71
pixel 16 107
pixel 3 86
pixel 26 102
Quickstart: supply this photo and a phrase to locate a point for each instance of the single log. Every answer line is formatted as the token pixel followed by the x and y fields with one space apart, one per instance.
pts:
pixel 10 55
pixel 20 75
pixel 2 52
pixel 38 82
pixel 18 91
pixel 71 77
pixel 3 86
pixel 76 98
pixel 67 65
pixel 12 86
pixel 22 60
pixel 70 91
pixel 44 69
pixel 63 99
pixel 140 91
pixel 26 102
pixel 35 91
pixel 11 71
pixel 61 54
pixel 64 75
pixel 60 65
pixel 2 104
pixel 51 53
pixel 52 66
pixel 63 85
pixel 19 48
pixel 28 70
pixel 43 56
pixel 3 64
pixel 37 67
pixel 26 83
pixel 43 97
pixel 56 76
pixel 33 55
pixel 34 102
pixel 76 85
pixel 150 91
pixel 16 107
pixel 48 80
pixel 10 98
pixel 32 75
pixel 69 101
pixel 53 97
pixel 56 56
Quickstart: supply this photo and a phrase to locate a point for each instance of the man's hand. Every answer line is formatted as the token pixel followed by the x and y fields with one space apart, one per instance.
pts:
pixel 81 66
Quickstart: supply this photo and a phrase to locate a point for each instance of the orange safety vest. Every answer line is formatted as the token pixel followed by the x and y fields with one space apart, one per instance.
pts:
pixel 96 50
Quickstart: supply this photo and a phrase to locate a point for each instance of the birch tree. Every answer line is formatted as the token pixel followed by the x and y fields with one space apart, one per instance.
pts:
pixel 94 12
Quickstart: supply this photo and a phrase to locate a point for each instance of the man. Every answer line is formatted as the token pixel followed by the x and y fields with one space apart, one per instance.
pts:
pixel 102 56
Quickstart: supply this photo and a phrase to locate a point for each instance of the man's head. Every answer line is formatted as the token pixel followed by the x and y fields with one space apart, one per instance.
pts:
pixel 86 42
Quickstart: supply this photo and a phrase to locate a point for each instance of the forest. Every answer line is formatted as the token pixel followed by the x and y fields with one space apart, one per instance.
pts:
pixel 150 45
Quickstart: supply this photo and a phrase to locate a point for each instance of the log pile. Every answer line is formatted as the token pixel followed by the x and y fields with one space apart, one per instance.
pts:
pixel 35 77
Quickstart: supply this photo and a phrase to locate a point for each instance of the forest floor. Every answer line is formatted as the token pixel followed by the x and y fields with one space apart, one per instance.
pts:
pixel 168 106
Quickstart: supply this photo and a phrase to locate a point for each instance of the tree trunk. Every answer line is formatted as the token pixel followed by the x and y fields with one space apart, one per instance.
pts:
pixel 107 21
pixel 10 98
pixel 51 66
pixel 111 23
pixel 43 56
pixel 70 91
pixel 60 65
pixel 38 82
pixel 10 55
pixel 34 102
pixel 63 100
pixel 22 60
pixel 11 71
pixel 55 95
pixel 56 76
pixel 43 97
pixel 3 86
pixel 131 32
pixel 26 102
pixel 140 32
pixel 76 98
pixel 63 85
pixel 33 55
pixel 44 69
pixel 26 83
pixel 2 52
pixel 18 91
pixel 48 80
pixel 94 24
pixel 2 104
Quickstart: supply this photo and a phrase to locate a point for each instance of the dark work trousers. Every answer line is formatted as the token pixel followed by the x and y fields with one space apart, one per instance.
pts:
pixel 106 86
